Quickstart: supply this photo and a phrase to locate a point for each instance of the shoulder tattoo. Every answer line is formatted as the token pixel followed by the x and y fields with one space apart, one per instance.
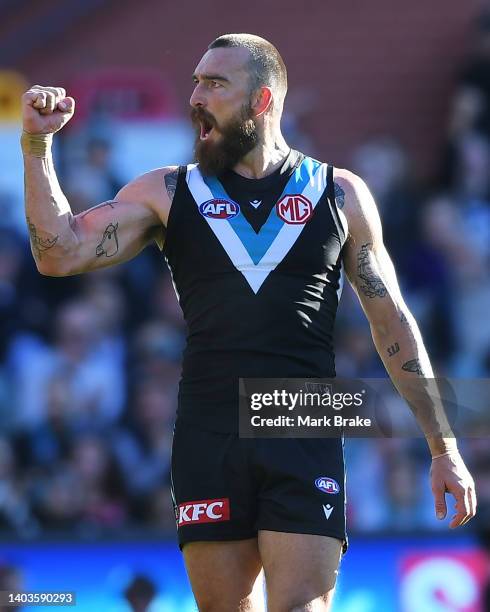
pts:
pixel 171 183
pixel 339 194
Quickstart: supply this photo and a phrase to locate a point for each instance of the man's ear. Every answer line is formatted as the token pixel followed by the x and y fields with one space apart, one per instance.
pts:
pixel 262 100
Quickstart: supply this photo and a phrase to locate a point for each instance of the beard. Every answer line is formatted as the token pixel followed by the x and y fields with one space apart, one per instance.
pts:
pixel 236 138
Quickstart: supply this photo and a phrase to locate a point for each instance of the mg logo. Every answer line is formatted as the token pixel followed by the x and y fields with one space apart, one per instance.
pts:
pixel 294 209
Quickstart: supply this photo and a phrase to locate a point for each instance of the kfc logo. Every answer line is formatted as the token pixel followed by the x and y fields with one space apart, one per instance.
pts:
pixel 203 511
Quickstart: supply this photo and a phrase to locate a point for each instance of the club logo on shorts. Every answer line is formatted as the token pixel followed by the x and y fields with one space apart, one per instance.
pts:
pixel 327 485
pixel 294 209
pixel 203 511
pixel 219 209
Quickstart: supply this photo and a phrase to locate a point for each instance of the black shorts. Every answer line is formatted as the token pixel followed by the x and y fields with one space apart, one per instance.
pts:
pixel 228 488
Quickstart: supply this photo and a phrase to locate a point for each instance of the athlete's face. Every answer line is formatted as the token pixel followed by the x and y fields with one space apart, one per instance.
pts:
pixel 222 111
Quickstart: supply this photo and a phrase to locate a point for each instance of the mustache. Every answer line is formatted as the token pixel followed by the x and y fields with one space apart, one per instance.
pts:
pixel 200 115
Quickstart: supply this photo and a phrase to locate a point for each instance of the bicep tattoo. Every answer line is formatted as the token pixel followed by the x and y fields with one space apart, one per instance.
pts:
pixel 109 245
pixel 39 244
pixel 171 183
pixel 339 194
pixel 372 286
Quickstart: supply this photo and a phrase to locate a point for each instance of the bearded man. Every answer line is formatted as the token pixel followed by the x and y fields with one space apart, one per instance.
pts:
pixel 256 236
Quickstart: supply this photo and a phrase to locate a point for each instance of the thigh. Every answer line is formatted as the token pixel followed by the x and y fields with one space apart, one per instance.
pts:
pixel 225 576
pixel 302 486
pixel 300 570
pixel 211 487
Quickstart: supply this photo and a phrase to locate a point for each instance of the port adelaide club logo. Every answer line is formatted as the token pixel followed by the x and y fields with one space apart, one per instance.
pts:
pixel 219 209
pixel 327 485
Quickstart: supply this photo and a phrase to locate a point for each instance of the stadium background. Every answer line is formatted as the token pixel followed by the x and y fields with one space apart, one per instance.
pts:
pixel 399 93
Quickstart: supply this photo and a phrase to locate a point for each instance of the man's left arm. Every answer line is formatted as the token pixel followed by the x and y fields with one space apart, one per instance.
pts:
pixel 399 342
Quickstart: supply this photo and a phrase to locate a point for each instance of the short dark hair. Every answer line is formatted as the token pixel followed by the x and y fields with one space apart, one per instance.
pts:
pixel 266 64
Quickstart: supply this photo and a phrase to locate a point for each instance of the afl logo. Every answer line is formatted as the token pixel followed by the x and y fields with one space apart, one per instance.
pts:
pixel 294 209
pixel 327 485
pixel 219 209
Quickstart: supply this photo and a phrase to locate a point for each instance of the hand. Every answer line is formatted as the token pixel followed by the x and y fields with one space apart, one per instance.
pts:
pixel 45 110
pixel 450 475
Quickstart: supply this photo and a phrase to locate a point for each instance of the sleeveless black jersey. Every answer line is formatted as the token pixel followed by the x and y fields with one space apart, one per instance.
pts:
pixel 257 271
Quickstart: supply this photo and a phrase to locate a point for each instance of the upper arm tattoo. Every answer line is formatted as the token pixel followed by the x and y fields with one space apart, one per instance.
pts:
pixel 372 285
pixel 39 244
pixel 109 245
pixel 108 203
pixel 171 183
pixel 339 194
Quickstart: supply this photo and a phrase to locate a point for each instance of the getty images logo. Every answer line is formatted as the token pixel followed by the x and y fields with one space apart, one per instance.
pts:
pixel 203 511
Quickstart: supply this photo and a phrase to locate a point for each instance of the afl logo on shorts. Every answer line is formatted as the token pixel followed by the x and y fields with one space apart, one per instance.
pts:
pixel 294 209
pixel 219 209
pixel 327 485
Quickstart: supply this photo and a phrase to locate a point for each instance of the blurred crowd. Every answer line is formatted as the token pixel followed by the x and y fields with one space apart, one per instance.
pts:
pixel 89 365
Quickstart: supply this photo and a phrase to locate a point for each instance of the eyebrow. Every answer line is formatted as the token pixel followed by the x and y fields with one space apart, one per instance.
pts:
pixel 211 77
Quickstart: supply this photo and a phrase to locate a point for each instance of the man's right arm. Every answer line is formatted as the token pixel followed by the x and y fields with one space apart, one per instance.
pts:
pixel 109 233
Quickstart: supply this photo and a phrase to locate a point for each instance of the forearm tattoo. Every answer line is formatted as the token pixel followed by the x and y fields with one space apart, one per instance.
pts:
pixel 372 285
pixel 109 245
pixel 393 349
pixel 39 244
pixel 413 366
pixel 104 204
pixel 171 183
pixel 339 195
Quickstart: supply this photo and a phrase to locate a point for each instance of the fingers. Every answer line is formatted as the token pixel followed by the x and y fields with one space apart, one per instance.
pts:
pixel 67 105
pixel 462 507
pixel 440 501
pixel 47 99
pixel 470 497
pixel 451 475
pixel 465 508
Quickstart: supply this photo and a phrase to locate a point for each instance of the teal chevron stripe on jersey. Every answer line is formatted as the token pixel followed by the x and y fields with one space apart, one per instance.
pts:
pixel 257 255
pixel 258 243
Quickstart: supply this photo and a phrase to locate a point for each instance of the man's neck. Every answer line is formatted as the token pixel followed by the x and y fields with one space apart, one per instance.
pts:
pixel 264 159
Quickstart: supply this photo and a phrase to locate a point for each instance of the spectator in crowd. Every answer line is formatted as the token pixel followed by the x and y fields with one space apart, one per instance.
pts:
pixel 93 179
pixel 140 593
pixel 143 447
pixel 10 580
pixel 94 377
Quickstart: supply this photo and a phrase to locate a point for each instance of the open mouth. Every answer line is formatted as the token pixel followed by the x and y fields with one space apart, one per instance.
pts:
pixel 206 128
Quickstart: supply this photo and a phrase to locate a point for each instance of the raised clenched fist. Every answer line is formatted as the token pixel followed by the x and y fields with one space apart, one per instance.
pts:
pixel 45 110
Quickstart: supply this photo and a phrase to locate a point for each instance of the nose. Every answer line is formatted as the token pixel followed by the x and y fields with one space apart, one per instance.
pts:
pixel 197 97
